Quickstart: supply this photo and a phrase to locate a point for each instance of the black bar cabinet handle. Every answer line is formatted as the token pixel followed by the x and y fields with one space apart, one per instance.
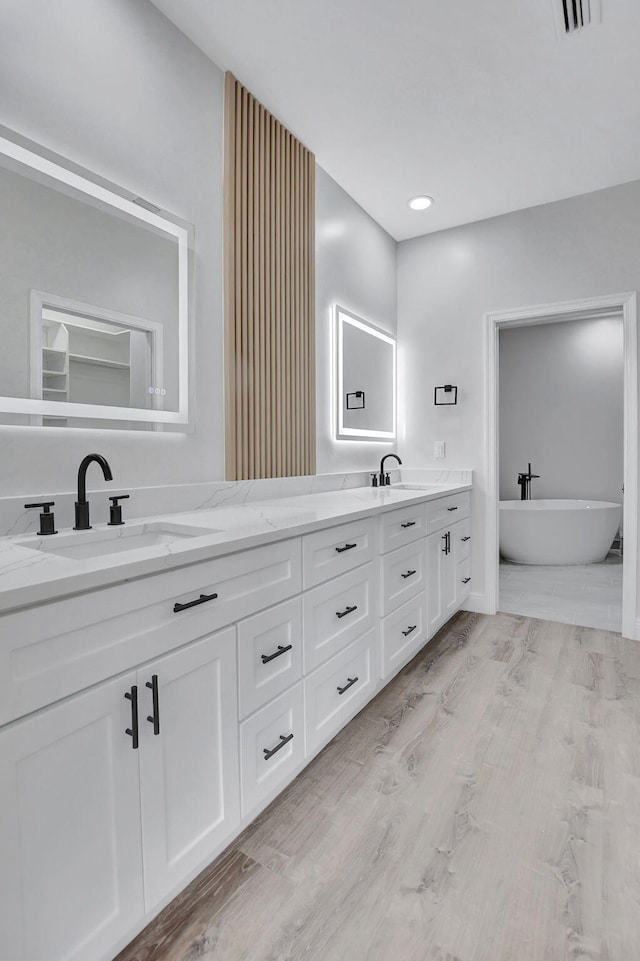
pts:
pixel 445 538
pixel 284 739
pixel 350 682
pixel 408 524
pixel 348 610
pixel 410 630
pixel 408 574
pixel 132 731
pixel 467 538
pixel 199 600
pixel 347 547
pixel 281 650
pixel 465 580
pixel 155 717
pixel 452 508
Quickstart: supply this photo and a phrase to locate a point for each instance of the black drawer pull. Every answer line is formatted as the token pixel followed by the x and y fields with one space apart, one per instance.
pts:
pixel 132 731
pixel 447 542
pixel 200 600
pixel 408 574
pixel 351 681
pixel 465 580
pixel 348 610
pixel 410 630
pixel 284 739
pixel 464 539
pixel 452 508
pixel 155 717
pixel 281 650
pixel 408 524
pixel 347 547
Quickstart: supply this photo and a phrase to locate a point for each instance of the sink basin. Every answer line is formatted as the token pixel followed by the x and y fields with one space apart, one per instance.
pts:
pixel 115 540
pixel 411 487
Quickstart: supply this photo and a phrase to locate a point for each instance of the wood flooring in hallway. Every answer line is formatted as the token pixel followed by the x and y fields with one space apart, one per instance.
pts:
pixel 484 807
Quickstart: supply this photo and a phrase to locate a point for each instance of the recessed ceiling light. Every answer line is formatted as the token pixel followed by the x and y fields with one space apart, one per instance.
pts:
pixel 421 202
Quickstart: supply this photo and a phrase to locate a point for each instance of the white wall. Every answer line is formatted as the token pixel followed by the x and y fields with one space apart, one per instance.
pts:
pixel 561 407
pixel 113 86
pixel 575 248
pixel 356 268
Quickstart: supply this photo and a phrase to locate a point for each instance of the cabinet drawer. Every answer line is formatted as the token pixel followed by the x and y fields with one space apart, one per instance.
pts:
pixel 403 633
pixel 328 553
pixel 403 576
pixel 271 748
pixel 447 510
pixel 269 654
pixel 461 539
pixel 55 649
pixel 339 689
pixel 401 527
pixel 336 613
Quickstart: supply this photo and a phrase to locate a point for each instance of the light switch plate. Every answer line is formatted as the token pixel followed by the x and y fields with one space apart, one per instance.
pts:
pixel 438 449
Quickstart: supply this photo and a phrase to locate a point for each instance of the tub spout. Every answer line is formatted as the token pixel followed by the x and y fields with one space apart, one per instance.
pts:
pixel 524 480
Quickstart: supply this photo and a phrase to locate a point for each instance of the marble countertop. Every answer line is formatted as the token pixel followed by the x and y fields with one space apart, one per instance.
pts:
pixel 29 575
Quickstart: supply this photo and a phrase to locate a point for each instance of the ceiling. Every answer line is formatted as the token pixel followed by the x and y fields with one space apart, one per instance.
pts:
pixel 478 103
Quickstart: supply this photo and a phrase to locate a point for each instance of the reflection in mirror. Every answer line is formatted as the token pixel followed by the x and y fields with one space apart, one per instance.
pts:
pixel 93 300
pixel 366 380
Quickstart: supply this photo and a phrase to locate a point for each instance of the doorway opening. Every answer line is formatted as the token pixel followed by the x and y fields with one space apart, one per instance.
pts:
pixel 562 388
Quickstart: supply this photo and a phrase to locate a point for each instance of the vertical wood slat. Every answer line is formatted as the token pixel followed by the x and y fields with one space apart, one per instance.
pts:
pixel 269 293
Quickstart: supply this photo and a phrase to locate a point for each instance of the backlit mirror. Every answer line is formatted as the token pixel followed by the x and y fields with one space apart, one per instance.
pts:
pixel 365 380
pixel 94 300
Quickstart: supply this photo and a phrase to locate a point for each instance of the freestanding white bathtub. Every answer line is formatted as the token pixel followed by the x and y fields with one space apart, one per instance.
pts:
pixel 557 531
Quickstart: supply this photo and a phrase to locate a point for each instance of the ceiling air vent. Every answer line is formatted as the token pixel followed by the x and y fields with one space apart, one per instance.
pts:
pixel 572 16
pixel 141 202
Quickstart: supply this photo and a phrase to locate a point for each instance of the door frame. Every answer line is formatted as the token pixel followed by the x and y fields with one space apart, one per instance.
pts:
pixel 590 308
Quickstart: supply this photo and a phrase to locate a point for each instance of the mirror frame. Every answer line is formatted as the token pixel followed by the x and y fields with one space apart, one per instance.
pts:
pixel 72 176
pixel 343 317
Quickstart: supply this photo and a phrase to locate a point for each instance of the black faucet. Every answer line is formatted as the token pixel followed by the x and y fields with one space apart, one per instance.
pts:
pixel 382 479
pixel 525 484
pixel 82 504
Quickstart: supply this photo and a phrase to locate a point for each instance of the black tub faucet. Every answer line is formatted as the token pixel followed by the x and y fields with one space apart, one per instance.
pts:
pixel 82 504
pixel 382 479
pixel 525 484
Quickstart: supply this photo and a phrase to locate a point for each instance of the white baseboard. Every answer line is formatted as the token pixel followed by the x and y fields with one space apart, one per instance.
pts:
pixel 478 604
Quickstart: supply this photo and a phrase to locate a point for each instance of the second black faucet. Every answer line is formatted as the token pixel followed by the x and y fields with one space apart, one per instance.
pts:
pixel 383 479
pixel 82 504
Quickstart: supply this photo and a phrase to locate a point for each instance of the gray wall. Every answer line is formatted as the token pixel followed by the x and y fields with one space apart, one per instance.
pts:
pixel 582 247
pixel 561 407
pixel 355 268
pixel 113 86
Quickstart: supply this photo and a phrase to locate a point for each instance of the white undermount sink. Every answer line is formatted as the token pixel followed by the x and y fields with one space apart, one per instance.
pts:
pixel 412 487
pixel 115 540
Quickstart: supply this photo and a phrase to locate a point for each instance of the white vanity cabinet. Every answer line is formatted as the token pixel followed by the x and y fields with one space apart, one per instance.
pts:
pixel 70 833
pixel 188 754
pixel 448 559
pixel 148 722
pixel 102 816
pixel 403 572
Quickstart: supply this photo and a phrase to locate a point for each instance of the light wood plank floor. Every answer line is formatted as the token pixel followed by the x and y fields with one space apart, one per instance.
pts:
pixel 484 807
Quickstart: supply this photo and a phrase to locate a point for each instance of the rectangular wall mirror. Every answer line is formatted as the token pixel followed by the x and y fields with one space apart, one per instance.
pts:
pixel 365 380
pixel 94 299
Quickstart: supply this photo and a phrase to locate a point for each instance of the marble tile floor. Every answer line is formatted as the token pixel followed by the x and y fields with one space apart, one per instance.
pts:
pixel 586 594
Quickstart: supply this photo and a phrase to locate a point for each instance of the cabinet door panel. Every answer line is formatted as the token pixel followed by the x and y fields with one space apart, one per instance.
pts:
pixel 70 844
pixel 189 771
pixel 435 585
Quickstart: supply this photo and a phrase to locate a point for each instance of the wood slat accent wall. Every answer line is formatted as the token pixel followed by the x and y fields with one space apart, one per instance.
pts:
pixel 269 235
